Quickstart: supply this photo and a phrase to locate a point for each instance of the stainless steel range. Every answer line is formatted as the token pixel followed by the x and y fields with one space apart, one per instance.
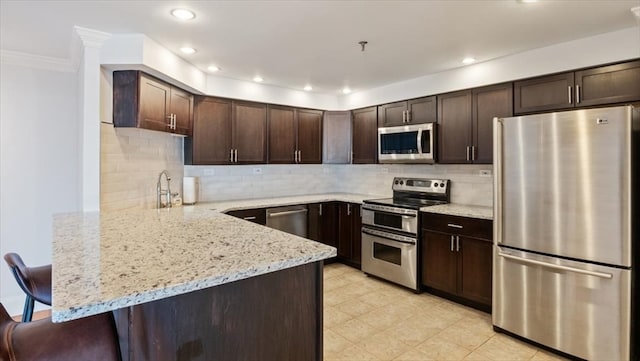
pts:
pixel 390 229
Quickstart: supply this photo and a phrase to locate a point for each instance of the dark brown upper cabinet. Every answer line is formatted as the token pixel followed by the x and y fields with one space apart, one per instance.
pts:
pixel 609 84
pixel 365 136
pixel 295 135
pixel 142 101
pixel 415 111
pixel 227 132
pixel 465 123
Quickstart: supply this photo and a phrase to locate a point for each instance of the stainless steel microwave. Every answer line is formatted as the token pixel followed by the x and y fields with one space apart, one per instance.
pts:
pixel 407 144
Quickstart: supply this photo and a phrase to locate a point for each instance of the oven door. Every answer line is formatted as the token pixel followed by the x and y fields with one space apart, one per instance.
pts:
pixel 406 144
pixel 390 256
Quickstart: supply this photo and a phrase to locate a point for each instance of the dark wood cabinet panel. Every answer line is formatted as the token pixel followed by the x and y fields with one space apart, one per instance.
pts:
pixel 181 106
pixel 414 111
pixel 439 262
pixel 608 84
pixel 356 235
pixel 365 136
pixel 211 141
pixel 475 264
pixel 345 219
pixel 309 136
pixel 255 215
pixel 250 132
pixel 454 122
pixel 553 92
pixel 282 134
pixel 140 100
pixel 488 102
pixel 456 257
pixel 323 223
pixel 392 114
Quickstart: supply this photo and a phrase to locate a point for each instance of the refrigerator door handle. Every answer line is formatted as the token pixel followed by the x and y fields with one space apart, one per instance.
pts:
pixel 555 266
pixel 497 180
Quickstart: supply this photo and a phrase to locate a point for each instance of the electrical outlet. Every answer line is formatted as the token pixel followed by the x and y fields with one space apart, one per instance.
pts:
pixel 257 170
pixel 484 173
pixel 384 170
pixel 209 172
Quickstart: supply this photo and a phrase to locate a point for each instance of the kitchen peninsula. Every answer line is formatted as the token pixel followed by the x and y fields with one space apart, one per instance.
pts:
pixel 191 283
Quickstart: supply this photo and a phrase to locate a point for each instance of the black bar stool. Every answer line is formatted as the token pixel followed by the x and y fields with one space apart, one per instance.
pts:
pixel 89 338
pixel 34 281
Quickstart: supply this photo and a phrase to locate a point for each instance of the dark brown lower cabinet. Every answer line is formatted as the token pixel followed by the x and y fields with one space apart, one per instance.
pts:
pixel 349 236
pixel 323 223
pixel 275 316
pixel 255 215
pixel 458 262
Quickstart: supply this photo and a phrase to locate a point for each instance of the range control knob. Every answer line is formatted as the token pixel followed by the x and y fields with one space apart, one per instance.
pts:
pixel 435 185
pixel 441 184
pixel 401 182
pixel 396 182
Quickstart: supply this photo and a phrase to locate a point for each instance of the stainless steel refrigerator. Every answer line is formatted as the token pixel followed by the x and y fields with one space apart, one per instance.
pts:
pixel 566 230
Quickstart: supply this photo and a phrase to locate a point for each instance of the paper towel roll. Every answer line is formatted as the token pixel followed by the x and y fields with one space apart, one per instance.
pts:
pixel 189 190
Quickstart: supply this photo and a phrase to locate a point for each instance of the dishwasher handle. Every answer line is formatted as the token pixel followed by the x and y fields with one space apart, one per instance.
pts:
pixel 285 213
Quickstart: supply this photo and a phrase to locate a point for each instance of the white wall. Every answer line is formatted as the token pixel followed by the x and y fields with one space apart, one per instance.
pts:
pixel 39 165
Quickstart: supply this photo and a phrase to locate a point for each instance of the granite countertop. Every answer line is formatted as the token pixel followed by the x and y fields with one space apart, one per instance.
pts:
pixel 104 261
pixel 481 212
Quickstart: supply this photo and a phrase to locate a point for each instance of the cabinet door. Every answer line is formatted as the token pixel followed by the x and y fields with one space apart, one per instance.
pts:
pixel 181 105
pixel 608 84
pixel 345 221
pixel 336 138
pixel 454 122
pixel 475 269
pixel 554 92
pixel 489 102
pixel 422 110
pixel 439 262
pixel 250 132
pixel 257 215
pixel 365 136
pixel 392 114
pixel 309 136
pixel 282 134
pixel 212 131
pixel 154 104
pixel 328 225
pixel 356 235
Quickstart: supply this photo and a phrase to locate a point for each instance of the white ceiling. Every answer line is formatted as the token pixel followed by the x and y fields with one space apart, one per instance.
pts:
pixel 292 43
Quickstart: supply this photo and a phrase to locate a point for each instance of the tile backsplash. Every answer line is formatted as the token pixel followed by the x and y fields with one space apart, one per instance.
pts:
pixel 131 160
pixel 217 183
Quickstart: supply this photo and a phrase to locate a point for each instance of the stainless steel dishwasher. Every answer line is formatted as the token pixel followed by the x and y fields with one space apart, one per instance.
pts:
pixel 290 219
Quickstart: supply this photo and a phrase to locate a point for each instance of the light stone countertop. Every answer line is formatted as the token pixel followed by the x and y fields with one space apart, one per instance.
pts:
pixel 462 210
pixel 104 261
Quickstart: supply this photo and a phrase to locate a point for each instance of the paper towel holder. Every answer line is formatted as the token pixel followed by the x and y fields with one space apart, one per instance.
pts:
pixel 189 190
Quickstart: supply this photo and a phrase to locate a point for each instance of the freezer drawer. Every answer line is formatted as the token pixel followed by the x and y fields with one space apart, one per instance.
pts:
pixel 578 308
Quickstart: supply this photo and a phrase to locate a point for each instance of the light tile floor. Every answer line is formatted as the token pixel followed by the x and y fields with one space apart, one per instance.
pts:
pixel 369 319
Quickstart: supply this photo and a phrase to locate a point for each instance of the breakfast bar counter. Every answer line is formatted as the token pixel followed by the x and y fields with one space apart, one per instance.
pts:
pixel 189 281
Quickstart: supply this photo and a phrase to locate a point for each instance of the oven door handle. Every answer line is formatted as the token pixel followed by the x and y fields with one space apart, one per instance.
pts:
pixel 388 236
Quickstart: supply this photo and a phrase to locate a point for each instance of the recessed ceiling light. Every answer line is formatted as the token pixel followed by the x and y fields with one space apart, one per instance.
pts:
pixel 636 11
pixel 187 50
pixel 468 61
pixel 346 90
pixel 308 88
pixel 213 68
pixel 183 14
pixel 258 79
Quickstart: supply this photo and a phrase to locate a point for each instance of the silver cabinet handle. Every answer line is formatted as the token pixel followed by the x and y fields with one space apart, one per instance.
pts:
pixel 408 116
pixel 299 156
pixel 320 210
pixel 404 116
pixel 468 158
pixel 170 117
pixel 577 94
pixel 570 102
pixel 348 209
pixel 473 152
pixel 286 213
pixel 173 120
pixel 236 155
pixel 231 155
pixel 295 156
pixel 452 225
pixel 249 218
pixel 555 266
pixel 452 243
pixel 457 243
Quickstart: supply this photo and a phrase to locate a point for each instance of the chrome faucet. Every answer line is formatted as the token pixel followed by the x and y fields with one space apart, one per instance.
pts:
pixel 163 192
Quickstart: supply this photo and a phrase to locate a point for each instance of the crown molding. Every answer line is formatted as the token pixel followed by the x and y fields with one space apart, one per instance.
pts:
pixel 37 61
pixel 91 38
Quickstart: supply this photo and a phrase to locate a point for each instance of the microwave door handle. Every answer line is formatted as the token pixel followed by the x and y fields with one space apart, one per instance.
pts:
pixel 420 141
